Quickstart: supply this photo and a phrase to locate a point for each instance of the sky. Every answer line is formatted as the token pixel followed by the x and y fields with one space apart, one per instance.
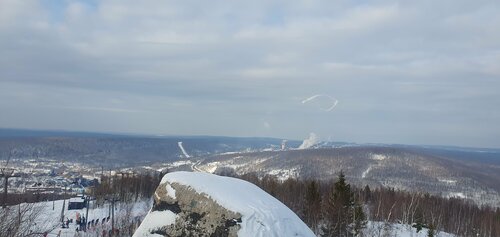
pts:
pixel 407 72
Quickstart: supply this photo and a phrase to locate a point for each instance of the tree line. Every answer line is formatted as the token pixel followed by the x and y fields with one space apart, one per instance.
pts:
pixel 335 208
pixel 126 187
pixel 20 217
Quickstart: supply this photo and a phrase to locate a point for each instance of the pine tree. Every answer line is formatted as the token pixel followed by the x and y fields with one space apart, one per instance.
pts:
pixel 338 210
pixel 418 225
pixel 367 194
pixel 359 219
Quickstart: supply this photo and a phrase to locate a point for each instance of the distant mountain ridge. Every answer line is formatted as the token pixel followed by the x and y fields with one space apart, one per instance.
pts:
pixel 119 150
pixel 17 132
pixel 450 171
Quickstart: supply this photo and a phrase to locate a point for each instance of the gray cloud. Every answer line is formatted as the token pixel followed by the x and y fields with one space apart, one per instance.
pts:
pixel 405 72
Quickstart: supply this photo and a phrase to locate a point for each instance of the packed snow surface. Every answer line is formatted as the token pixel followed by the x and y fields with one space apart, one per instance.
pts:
pixel 183 150
pixel 50 216
pixel 262 214
pixel 375 228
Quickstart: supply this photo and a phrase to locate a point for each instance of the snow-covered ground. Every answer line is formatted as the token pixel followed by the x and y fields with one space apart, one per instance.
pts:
pixel 378 157
pixel 363 175
pixel 183 150
pixel 50 217
pixel 284 174
pixel 262 214
pixel 376 229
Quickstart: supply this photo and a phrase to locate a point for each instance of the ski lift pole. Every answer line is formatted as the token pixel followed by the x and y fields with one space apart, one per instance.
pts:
pixel 87 212
pixel 64 205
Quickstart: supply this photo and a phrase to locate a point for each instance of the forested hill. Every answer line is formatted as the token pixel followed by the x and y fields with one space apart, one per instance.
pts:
pixel 119 149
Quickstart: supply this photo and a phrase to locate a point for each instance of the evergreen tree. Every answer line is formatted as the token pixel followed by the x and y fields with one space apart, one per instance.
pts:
pixel 359 219
pixel 418 225
pixel 338 210
pixel 367 194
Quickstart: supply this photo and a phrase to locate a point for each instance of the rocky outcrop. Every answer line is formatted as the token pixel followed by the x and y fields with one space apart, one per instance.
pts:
pixel 200 204
pixel 197 214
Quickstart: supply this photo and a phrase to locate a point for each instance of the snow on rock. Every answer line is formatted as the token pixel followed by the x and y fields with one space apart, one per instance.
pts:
pixel 207 204
pixel 153 221
pixel 170 191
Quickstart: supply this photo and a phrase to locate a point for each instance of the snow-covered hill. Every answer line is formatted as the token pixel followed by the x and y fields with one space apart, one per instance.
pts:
pixel 182 196
pixel 409 169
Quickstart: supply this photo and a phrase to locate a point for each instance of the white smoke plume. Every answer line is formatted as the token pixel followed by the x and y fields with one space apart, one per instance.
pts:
pixel 309 142
pixel 334 101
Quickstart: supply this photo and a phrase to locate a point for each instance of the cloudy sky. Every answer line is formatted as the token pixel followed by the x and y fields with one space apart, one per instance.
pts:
pixel 413 72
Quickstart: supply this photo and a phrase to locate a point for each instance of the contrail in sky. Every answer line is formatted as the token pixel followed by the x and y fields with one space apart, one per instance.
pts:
pixel 334 101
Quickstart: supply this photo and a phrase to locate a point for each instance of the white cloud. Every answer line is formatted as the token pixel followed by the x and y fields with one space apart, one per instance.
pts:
pixel 229 63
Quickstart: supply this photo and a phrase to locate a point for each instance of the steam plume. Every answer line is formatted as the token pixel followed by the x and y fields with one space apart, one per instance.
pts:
pixel 309 142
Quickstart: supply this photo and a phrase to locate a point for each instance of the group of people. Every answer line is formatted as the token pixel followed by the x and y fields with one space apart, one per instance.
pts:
pixel 84 224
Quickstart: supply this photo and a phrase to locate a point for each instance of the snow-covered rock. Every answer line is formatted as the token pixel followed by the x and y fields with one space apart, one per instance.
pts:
pixel 202 204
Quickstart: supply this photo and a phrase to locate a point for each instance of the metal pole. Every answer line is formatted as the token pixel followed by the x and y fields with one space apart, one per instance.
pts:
pixel 64 205
pixel 87 212
pixel 113 216
pixel 6 178
pixel 109 209
pixel 19 215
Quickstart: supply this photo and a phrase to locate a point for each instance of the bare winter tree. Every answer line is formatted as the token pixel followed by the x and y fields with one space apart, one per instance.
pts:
pixel 23 220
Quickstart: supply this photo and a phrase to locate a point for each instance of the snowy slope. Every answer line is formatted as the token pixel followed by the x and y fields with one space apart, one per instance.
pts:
pixel 374 228
pixel 262 214
pixel 183 150
pixel 51 216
